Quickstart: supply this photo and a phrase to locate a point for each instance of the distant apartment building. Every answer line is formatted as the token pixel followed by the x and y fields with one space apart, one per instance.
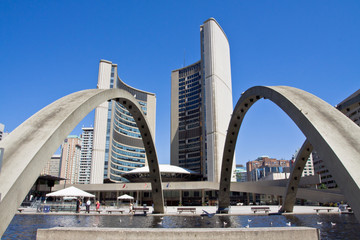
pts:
pixel 240 172
pixel 52 167
pixel 70 159
pixel 264 166
pixel 118 147
pixel 201 106
pixel 86 155
pixel 351 108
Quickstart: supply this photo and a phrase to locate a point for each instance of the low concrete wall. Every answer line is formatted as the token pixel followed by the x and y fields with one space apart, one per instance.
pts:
pixel 276 233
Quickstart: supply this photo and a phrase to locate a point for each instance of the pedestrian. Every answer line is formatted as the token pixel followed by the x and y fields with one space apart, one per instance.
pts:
pixel 88 203
pixel 97 206
pixel 78 203
pixel 131 208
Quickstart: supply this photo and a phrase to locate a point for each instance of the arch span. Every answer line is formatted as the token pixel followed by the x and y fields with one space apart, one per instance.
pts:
pixel 335 137
pixel 30 146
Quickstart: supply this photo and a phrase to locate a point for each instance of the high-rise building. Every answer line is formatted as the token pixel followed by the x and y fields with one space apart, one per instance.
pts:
pixel 52 167
pixel 86 155
pixel 201 106
pixel 118 146
pixel 70 159
pixel 351 108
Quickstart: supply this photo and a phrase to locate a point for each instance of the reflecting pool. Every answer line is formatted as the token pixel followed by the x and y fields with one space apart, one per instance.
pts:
pixel 24 226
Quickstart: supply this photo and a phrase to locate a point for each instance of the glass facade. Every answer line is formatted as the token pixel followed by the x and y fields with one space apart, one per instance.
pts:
pixel 190 110
pixel 125 157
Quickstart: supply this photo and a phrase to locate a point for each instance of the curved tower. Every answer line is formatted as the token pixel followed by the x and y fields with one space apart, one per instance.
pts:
pixel 118 146
pixel 201 105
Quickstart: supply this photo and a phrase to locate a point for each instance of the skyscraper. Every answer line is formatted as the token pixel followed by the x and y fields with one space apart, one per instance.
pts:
pixel 86 155
pixel 201 105
pixel 118 145
pixel 70 158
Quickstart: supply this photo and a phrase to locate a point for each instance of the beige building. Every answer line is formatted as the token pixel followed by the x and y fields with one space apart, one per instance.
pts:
pixel 118 147
pixel 201 106
pixel 52 167
pixel 70 159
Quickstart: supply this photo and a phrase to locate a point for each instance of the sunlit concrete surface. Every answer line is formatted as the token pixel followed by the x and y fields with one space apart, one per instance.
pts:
pixel 40 136
pixel 333 135
pixel 275 233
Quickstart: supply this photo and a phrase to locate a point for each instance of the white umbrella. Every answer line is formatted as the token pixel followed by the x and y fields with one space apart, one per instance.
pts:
pixel 125 196
pixel 70 192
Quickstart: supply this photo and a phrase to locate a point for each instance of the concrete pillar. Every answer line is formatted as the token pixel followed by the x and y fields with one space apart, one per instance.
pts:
pixel 202 197
pixel 117 195
pixel 180 197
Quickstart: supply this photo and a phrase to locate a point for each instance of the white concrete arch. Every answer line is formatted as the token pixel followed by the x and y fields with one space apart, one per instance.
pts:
pixel 335 137
pixel 30 146
pixel 295 176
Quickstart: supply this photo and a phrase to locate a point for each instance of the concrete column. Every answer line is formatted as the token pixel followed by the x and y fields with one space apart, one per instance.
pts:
pixel 202 196
pixel 117 195
pixel 137 197
pixel 180 197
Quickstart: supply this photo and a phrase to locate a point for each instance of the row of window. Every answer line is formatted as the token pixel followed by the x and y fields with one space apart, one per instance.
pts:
pixel 122 109
pixel 189 145
pixel 194 114
pixel 135 165
pixel 132 154
pixel 140 150
pixel 126 117
pixel 131 134
pixel 187 71
pixel 189 94
pixel 119 119
pixel 190 160
pixel 190 84
pixel 189 108
pixel 189 103
pixel 189 81
pixel 189 121
pixel 117 158
pixel 131 129
pixel 190 90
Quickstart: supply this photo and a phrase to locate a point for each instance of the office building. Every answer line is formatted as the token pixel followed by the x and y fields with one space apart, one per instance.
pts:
pixel 201 106
pixel 52 167
pixel 70 159
pixel 118 146
pixel 86 155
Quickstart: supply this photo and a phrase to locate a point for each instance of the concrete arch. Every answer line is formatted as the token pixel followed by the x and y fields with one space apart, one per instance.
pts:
pixel 335 137
pixel 29 146
pixel 295 176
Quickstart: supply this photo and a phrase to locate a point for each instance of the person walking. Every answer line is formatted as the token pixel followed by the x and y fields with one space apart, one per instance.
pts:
pixel 78 203
pixel 88 203
pixel 97 206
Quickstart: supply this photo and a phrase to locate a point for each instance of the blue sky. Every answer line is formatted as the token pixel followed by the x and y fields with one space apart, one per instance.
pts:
pixel 49 49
